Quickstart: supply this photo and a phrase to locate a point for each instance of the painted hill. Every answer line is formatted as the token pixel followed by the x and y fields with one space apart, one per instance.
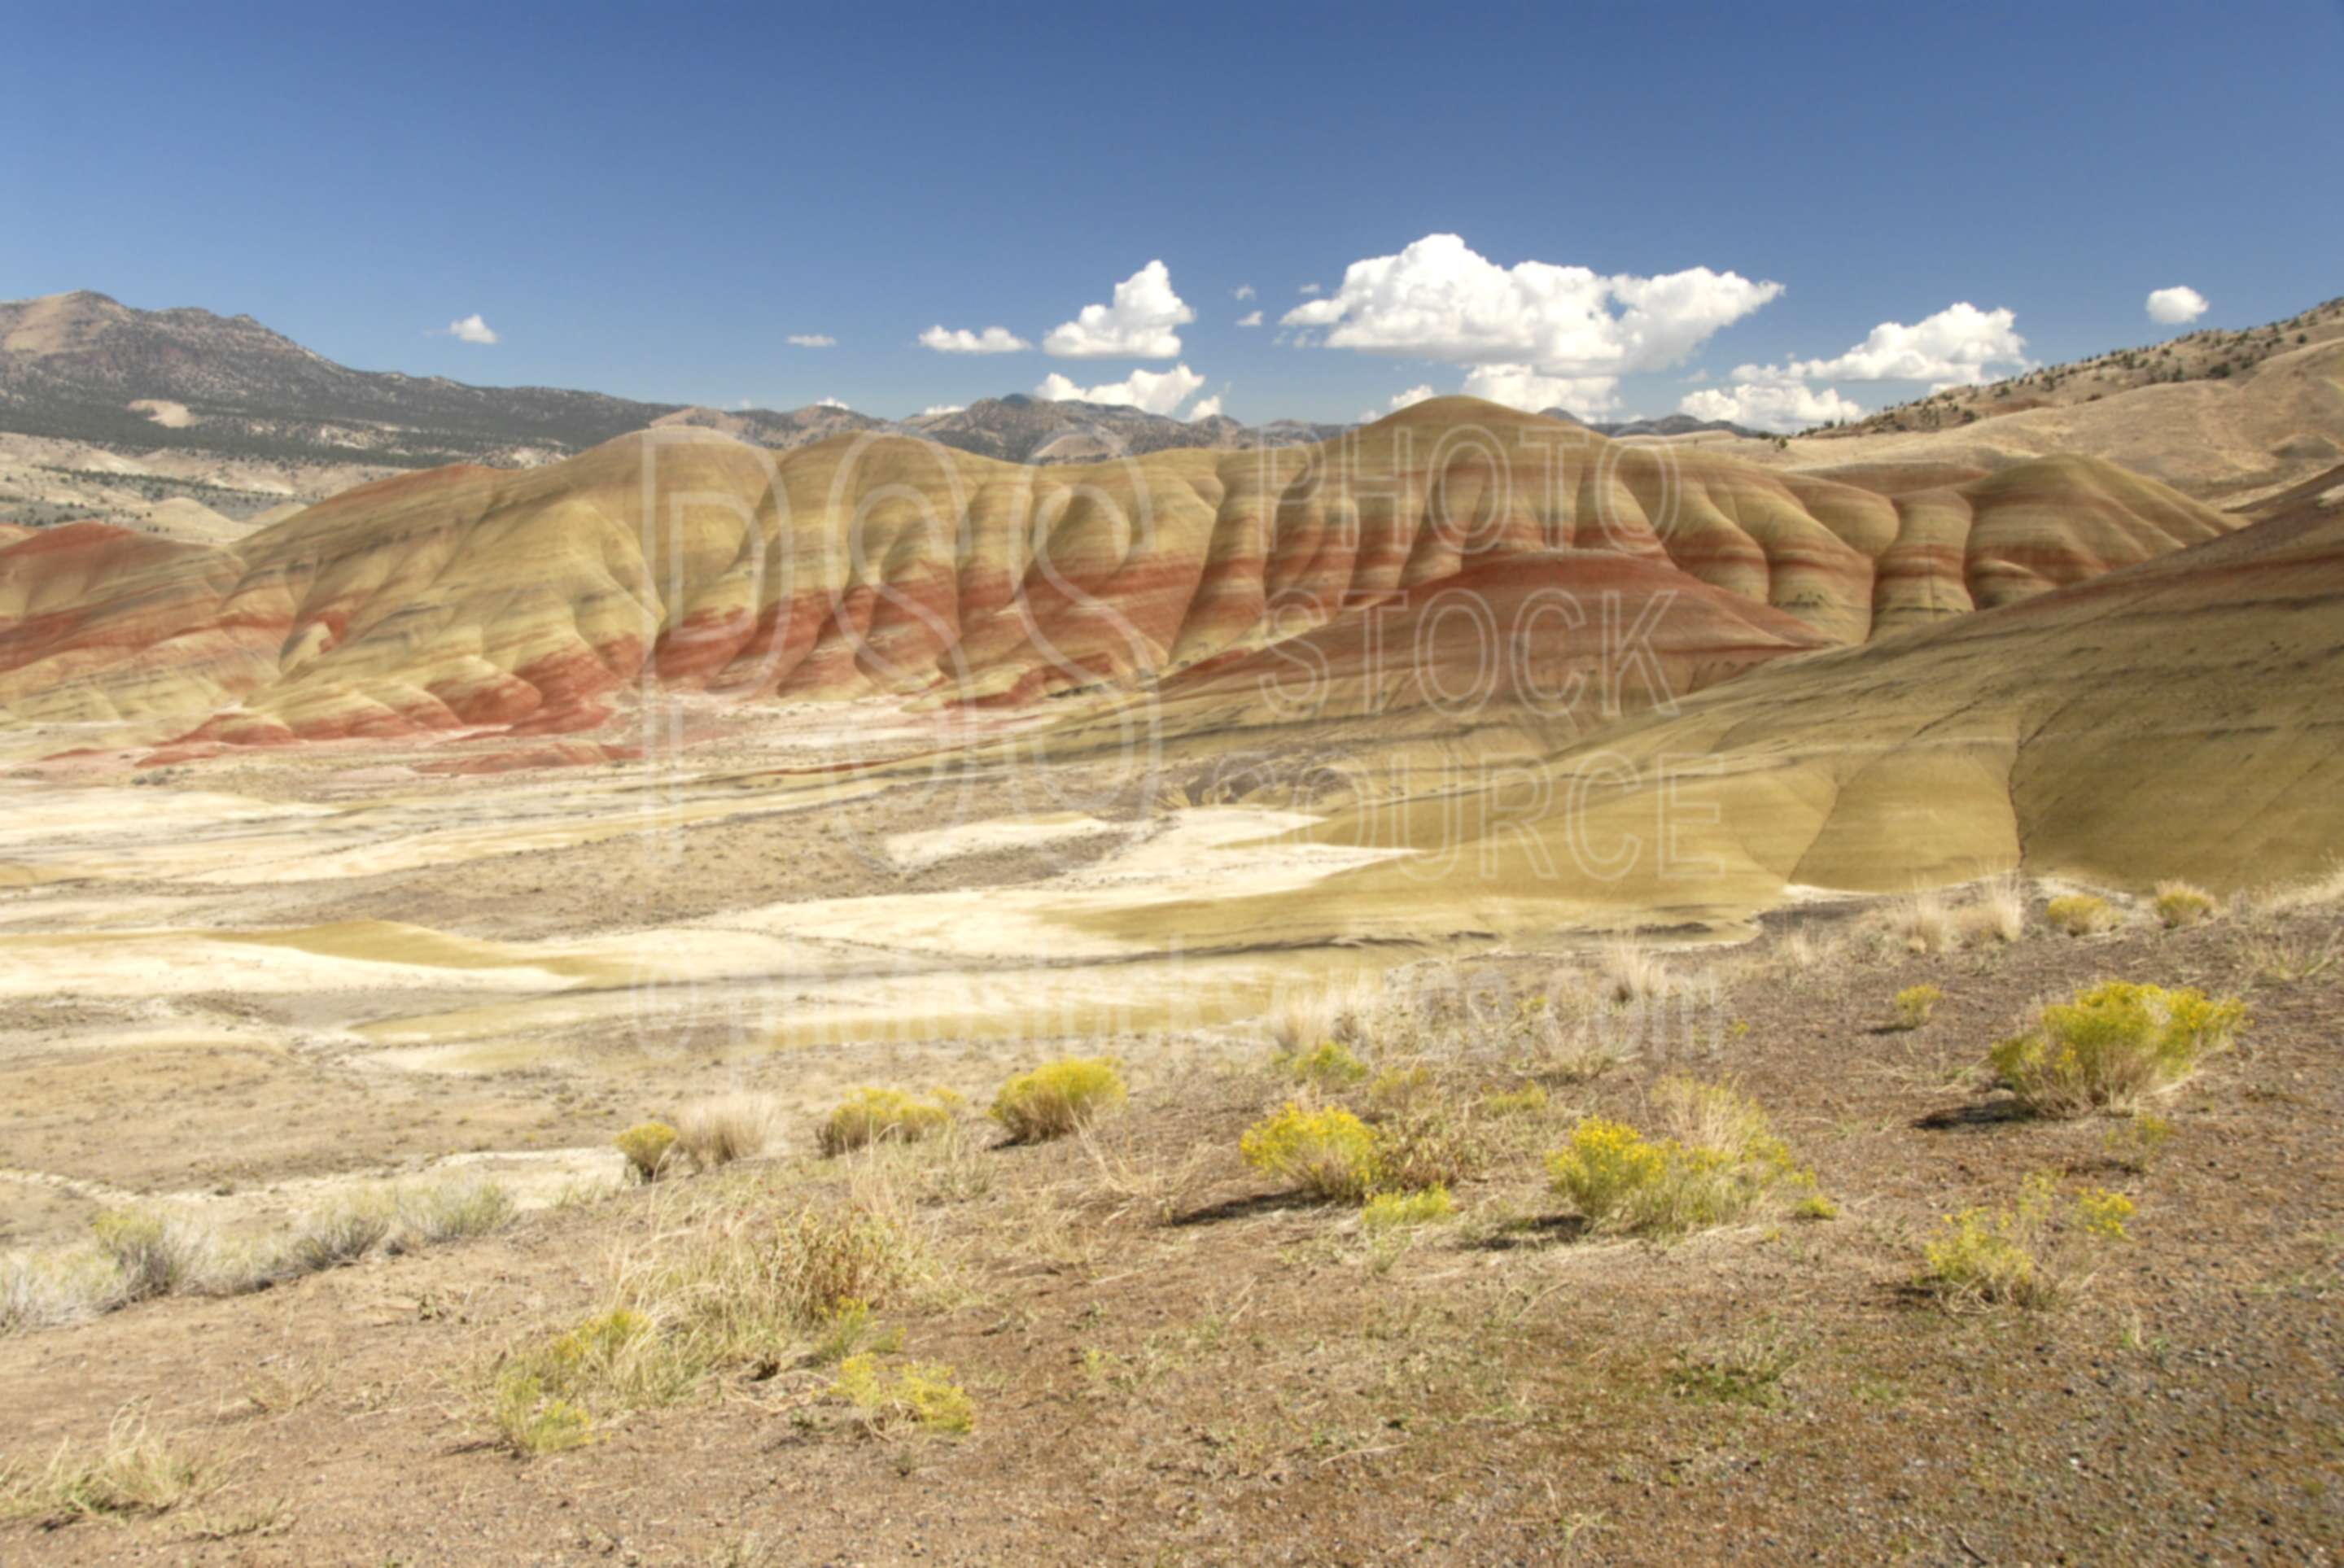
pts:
pixel 533 601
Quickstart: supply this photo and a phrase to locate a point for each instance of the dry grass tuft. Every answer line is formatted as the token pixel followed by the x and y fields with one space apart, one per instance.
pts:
pixel 727 1127
pixel 132 1472
pixel 1924 924
pixel 1337 1013
pixel 1999 914
pixel 1630 971
pixel 47 1291
pixel 342 1232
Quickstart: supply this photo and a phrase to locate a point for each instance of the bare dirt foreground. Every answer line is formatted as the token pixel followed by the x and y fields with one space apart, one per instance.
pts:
pixel 235 997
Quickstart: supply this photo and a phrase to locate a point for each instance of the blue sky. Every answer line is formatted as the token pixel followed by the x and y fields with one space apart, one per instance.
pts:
pixel 653 204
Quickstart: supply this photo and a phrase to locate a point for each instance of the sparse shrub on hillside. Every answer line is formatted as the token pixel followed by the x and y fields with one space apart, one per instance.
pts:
pixel 453 1210
pixel 2113 1045
pixel 2082 915
pixel 921 1394
pixel 1631 972
pixel 650 1148
pixel 529 1420
pixel 1429 1145
pixel 727 1127
pixel 2033 1253
pixel 1722 1162
pixel 1057 1098
pixel 1915 1003
pixel 1393 1210
pixel 50 1290
pixel 2134 1142
pixel 133 1472
pixel 2179 905
pixel 1328 1153
pixel 1328 1066
pixel 1531 1100
pixel 880 1116
pixel 155 1252
pixel 341 1232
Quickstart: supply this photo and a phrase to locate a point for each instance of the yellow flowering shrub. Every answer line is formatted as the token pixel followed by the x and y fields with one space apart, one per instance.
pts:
pixel 1329 1065
pixel 2113 1044
pixel 920 1392
pixel 1058 1097
pixel 880 1116
pixel 1915 1003
pixel 1723 1163
pixel 648 1146
pixel 1328 1153
pixel 2081 915
pixel 2028 1254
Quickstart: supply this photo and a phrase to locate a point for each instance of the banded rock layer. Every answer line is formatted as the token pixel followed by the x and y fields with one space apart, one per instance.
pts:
pixel 469 599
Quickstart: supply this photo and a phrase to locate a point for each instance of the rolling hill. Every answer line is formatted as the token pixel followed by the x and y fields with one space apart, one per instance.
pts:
pixel 471 598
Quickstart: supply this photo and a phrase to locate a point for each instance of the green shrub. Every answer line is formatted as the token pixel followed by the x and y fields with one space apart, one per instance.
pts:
pixel 1527 1100
pixel 1915 1003
pixel 1058 1097
pixel 2081 915
pixel 879 1116
pixel 650 1148
pixel 2113 1045
pixel 2030 1254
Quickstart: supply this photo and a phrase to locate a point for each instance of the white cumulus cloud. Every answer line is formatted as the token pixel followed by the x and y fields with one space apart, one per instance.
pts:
pixel 933 409
pixel 1780 405
pixel 1138 326
pixel 1243 291
pixel 1439 299
pixel 1953 348
pixel 2174 306
pixel 961 340
pixel 1519 386
pixel 830 403
pixel 814 340
pixel 1151 391
pixel 1250 318
pixel 1206 408
pixel 471 329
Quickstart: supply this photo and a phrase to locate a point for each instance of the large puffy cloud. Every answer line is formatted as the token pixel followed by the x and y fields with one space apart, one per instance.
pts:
pixel 1953 348
pixel 1206 408
pixel 2176 304
pixel 1782 405
pixel 1439 299
pixel 1518 386
pixel 1151 391
pixel 961 340
pixel 1138 326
